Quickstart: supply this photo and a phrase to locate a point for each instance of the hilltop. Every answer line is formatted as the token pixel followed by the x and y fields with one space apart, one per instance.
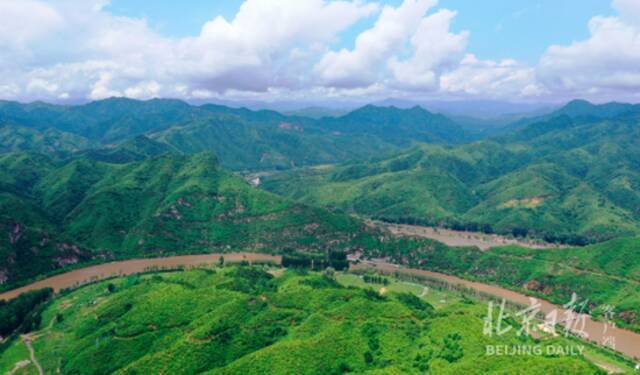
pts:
pixel 241 138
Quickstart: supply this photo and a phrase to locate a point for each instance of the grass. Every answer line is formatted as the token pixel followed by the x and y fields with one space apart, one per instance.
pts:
pixel 14 354
pixel 435 297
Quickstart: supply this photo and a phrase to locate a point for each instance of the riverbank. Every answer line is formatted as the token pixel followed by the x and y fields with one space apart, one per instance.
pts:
pixel 626 342
pixel 127 267
pixel 601 333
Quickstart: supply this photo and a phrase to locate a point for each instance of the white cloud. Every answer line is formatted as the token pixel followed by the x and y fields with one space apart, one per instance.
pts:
pixel 77 50
pixel 26 20
pixel 506 79
pixel 629 10
pixel 435 49
pixel 89 53
pixel 602 67
pixel 373 47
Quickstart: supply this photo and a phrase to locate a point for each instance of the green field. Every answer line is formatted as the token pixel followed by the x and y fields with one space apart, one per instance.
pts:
pixel 247 320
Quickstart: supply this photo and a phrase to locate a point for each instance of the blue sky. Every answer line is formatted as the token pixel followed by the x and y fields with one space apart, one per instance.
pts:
pixel 499 29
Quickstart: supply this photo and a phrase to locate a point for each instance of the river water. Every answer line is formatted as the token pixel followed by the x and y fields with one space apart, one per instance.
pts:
pixel 128 267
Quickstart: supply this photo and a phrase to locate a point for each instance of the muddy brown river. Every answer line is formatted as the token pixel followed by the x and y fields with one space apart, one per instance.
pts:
pixel 626 342
pixel 128 267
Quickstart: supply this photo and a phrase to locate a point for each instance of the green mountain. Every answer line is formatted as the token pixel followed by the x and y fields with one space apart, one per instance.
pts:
pixel 59 213
pixel 50 141
pixel 397 126
pixel 562 179
pixel 242 320
pixel 242 139
pixel 577 110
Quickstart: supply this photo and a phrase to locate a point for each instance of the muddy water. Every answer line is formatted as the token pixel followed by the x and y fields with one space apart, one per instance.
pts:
pixel 458 238
pixel 626 342
pixel 128 267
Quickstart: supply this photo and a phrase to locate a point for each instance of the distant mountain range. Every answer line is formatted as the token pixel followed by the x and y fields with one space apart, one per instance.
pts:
pixel 573 175
pixel 120 178
pixel 125 177
pixel 241 138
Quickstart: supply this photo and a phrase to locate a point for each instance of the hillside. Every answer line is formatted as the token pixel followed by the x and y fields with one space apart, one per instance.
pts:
pixel 245 320
pixel 241 138
pixel 563 179
pixel 577 110
pixel 605 274
pixel 60 213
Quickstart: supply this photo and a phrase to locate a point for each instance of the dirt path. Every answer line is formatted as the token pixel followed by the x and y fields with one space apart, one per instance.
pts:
pixel 626 342
pixel 19 365
pixel 128 267
pixel 27 341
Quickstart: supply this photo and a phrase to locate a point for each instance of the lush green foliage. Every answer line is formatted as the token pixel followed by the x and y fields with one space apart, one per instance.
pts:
pixel 568 180
pixel 244 320
pixel 22 312
pixel 334 259
pixel 59 213
pixel 604 274
pixel 242 139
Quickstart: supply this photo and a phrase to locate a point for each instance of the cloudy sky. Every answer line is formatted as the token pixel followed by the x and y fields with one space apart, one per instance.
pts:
pixel 306 50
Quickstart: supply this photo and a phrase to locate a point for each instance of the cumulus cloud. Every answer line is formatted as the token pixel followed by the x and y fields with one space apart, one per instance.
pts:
pixel 604 66
pixel 435 49
pixel 505 79
pixel 77 50
pixel 360 66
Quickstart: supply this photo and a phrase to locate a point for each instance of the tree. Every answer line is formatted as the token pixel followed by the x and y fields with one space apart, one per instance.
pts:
pixel 368 358
pixel 330 272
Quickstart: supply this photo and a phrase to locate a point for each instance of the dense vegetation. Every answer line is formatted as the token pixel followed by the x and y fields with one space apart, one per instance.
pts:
pixel 568 179
pixel 245 320
pixel 607 275
pixel 98 206
pixel 241 139
pixel 22 313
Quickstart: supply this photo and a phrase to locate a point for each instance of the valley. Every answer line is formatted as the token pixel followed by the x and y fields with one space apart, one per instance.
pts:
pixel 319 187
pixel 572 177
pixel 546 211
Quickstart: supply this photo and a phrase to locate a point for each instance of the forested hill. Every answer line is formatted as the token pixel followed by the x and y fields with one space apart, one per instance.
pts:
pixel 135 202
pixel 564 178
pixel 242 139
pixel 577 110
